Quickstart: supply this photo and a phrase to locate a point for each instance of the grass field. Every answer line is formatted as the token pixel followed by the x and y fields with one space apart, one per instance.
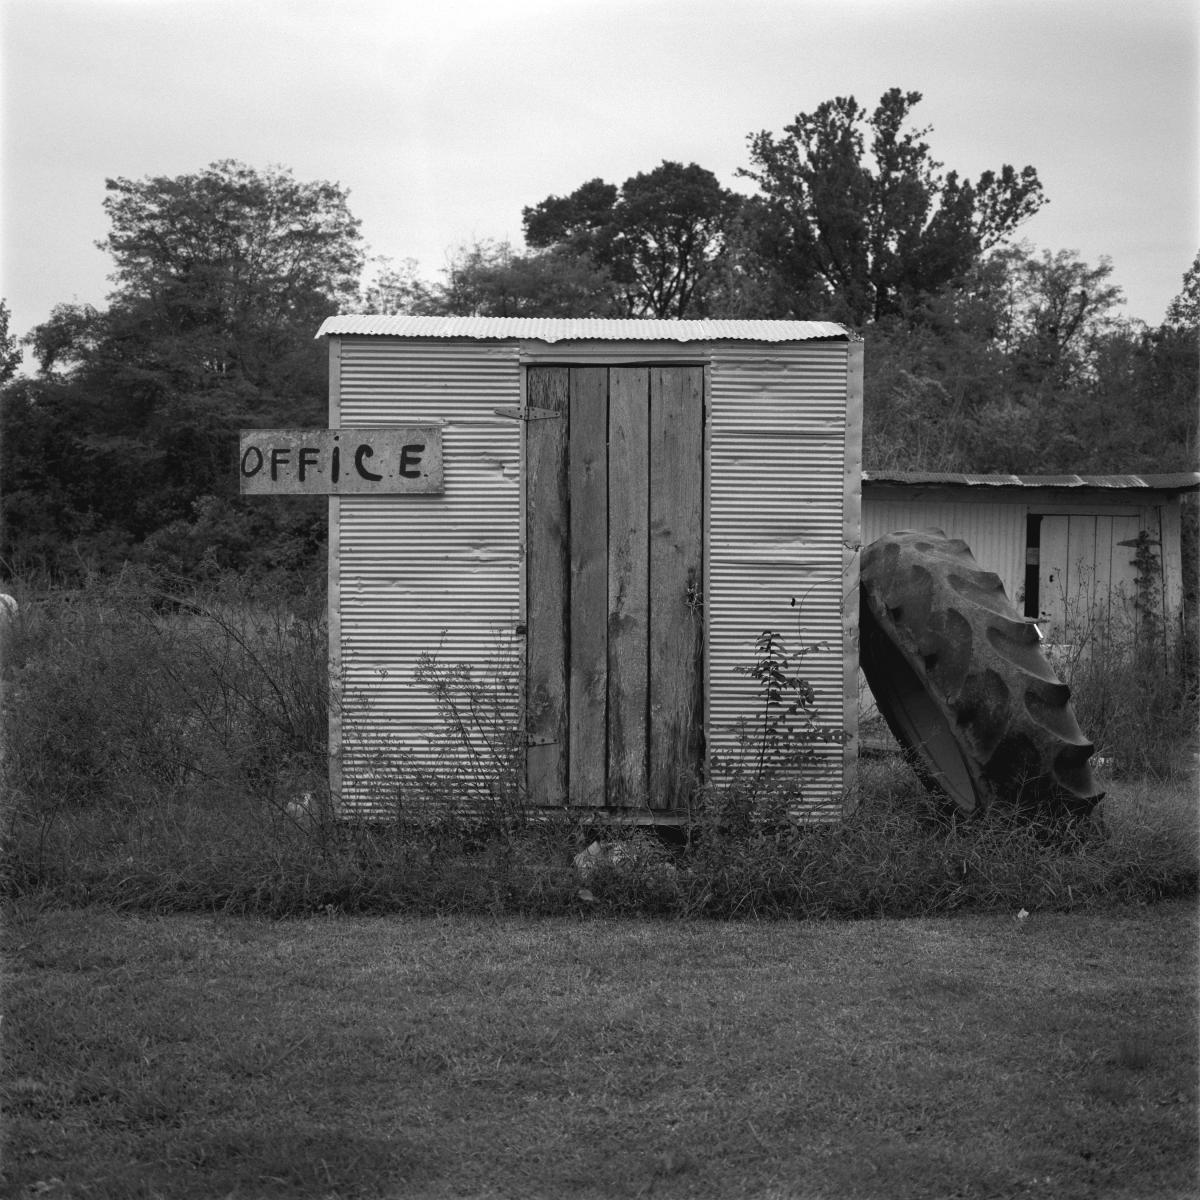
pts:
pixel 974 1056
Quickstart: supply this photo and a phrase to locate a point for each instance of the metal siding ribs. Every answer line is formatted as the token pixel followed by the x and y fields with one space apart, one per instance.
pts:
pixel 994 531
pixel 445 569
pixel 776 496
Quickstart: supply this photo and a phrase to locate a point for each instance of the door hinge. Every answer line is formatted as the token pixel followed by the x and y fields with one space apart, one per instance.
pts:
pixel 527 414
pixel 540 739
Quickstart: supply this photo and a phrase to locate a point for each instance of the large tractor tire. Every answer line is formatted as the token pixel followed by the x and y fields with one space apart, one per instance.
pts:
pixel 960 678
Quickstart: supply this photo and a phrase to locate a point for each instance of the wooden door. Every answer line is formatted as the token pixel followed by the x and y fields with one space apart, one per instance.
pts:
pixel 614 538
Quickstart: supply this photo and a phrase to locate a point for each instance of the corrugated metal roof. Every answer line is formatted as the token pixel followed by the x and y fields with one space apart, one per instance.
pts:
pixel 1177 481
pixel 548 329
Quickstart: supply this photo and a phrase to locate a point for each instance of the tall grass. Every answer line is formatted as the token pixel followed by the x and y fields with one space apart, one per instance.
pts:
pixel 166 752
pixel 1137 701
pixel 1134 676
pixel 131 710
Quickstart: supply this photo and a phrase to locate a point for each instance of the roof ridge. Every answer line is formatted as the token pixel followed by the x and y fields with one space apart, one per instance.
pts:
pixel 1179 481
pixel 552 329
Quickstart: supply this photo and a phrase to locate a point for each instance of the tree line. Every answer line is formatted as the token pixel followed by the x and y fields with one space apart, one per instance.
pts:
pixel 983 353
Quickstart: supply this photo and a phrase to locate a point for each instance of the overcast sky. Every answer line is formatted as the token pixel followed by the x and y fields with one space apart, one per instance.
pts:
pixel 445 117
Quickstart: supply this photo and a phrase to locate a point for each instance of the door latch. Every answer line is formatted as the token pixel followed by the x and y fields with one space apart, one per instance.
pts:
pixel 526 414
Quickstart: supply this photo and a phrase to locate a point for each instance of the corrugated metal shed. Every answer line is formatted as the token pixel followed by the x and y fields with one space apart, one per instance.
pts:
pixel 604 329
pixel 1063 545
pixel 446 574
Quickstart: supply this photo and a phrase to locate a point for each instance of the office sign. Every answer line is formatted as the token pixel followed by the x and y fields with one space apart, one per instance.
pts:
pixel 341 462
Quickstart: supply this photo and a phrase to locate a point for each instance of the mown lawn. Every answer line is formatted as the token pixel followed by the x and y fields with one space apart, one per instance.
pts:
pixel 966 1057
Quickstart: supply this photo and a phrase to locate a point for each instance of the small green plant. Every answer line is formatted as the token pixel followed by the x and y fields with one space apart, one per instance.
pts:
pixel 787 710
pixel 763 777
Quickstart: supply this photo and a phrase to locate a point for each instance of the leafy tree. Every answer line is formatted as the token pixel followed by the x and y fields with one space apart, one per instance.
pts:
pixel 1058 309
pixel 1134 412
pixel 221 279
pixel 1138 408
pixel 487 279
pixel 68 338
pixel 657 237
pixel 1183 312
pixel 857 217
pixel 230 263
pixel 395 289
pixel 1025 367
pixel 10 349
pixel 582 221
pixel 935 375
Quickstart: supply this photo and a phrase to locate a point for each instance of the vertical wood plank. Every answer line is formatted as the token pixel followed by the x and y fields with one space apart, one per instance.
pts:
pixel 675 576
pixel 546 528
pixel 1104 567
pixel 588 584
pixel 1084 569
pixel 1163 520
pixel 628 570
pixel 1122 534
pixel 1052 578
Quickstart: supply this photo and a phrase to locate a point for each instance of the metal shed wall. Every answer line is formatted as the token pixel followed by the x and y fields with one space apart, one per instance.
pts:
pixel 777 455
pixel 420 574
pixel 992 525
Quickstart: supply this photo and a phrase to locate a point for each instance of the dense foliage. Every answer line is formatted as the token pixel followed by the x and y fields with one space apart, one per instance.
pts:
pixel 658 237
pixel 983 353
pixel 123 445
pixel 861 232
